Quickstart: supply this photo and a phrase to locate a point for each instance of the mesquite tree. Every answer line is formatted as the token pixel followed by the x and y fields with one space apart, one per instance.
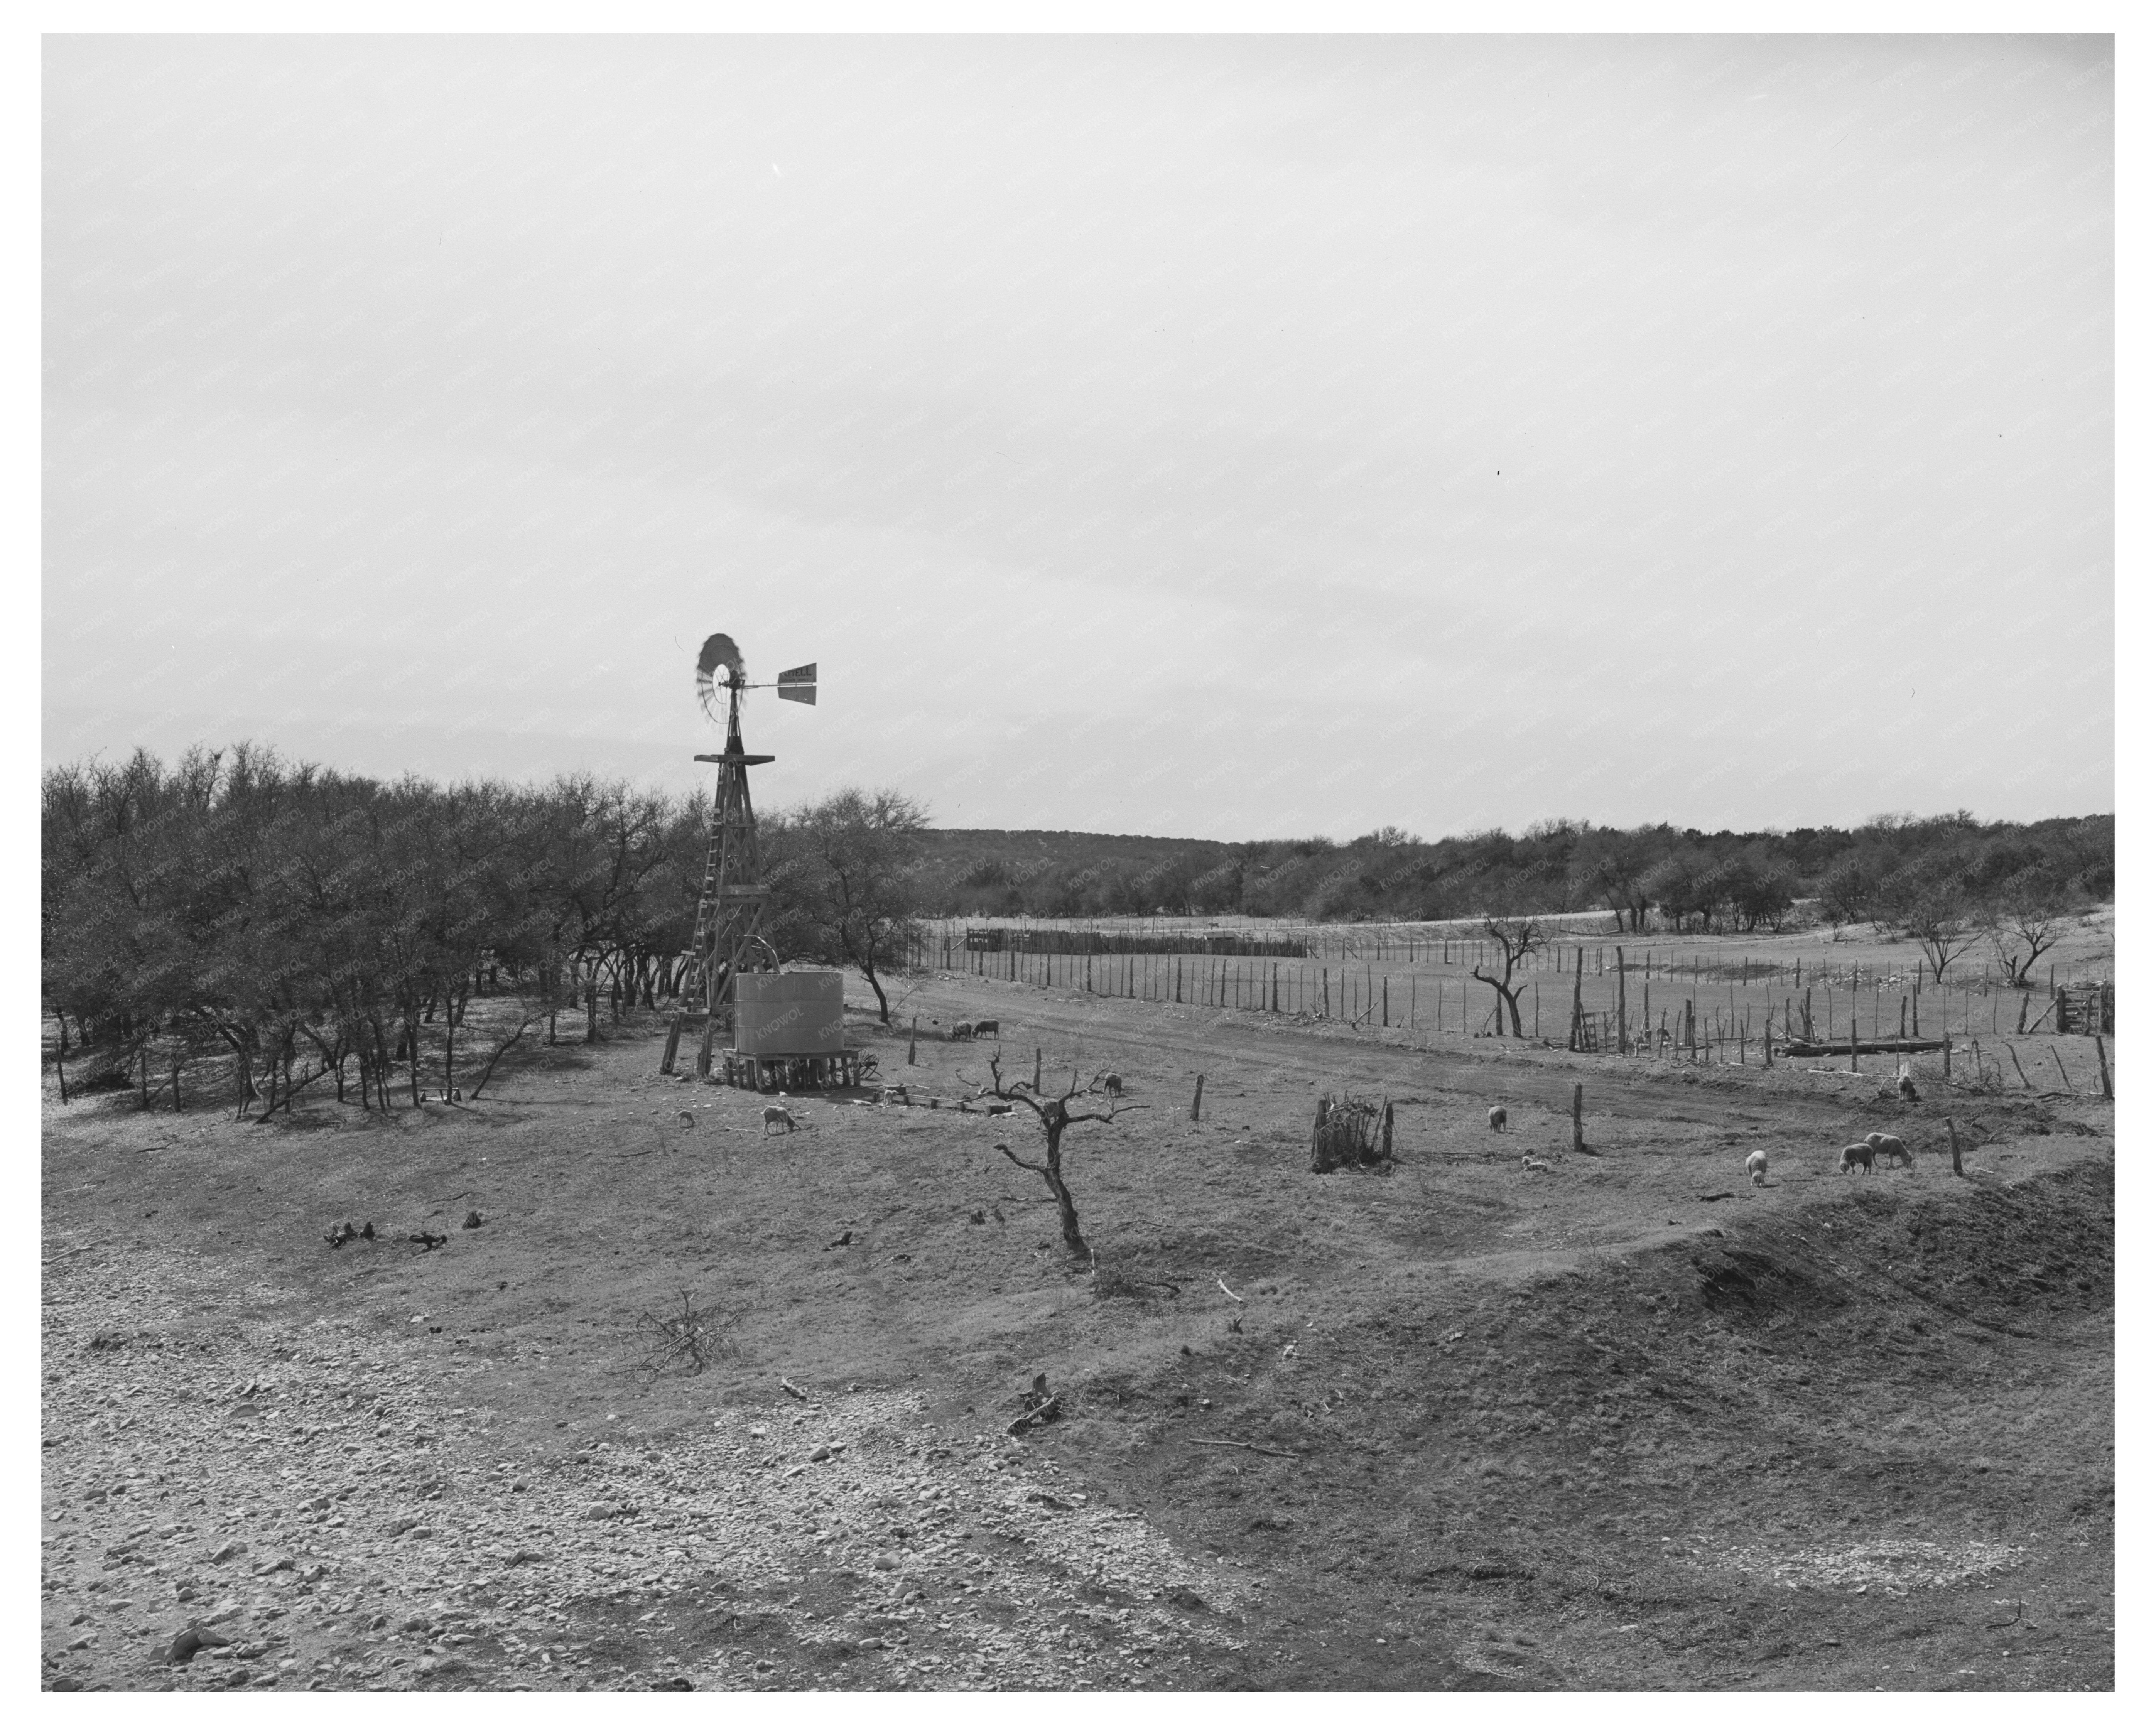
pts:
pixel 844 883
pixel 1514 937
pixel 1055 1116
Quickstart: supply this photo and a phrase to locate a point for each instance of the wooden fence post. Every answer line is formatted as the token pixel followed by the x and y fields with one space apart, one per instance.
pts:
pixel 1954 1144
pixel 2103 1067
pixel 913 1036
pixel 1197 1097
pixel 1578 1143
pixel 1036 1071
pixel 1620 1000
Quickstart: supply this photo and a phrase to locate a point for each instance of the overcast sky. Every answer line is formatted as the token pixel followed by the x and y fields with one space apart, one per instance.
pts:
pixel 1228 438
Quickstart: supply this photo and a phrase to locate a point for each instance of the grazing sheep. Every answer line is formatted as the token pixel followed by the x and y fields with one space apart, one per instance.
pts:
pixel 960 1033
pixel 1755 1165
pixel 1497 1117
pixel 990 1027
pixel 1853 1156
pixel 1907 1086
pixel 1885 1144
pixel 1112 1082
pixel 777 1114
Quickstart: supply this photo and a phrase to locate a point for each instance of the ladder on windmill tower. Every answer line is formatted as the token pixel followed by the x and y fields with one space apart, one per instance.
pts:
pixel 728 937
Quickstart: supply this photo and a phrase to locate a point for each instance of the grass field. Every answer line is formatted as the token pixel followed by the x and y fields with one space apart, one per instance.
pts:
pixel 1629 1422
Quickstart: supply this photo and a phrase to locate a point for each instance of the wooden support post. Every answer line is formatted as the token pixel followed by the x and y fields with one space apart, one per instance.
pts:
pixel 912 1037
pixel 1946 1054
pixel 1036 1071
pixel 1621 1044
pixel 1953 1143
pixel 1197 1097
pixel 1385 1007
pixel 2061 1065
pixel 1578 1143
pixel 1852 1040
pixel 2103 1067
pixel 1578 978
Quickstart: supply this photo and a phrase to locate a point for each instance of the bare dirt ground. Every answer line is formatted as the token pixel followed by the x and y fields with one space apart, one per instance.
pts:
pixel 1630 1422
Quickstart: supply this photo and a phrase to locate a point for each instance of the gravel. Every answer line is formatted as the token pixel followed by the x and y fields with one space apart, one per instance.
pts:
pixel 338 1508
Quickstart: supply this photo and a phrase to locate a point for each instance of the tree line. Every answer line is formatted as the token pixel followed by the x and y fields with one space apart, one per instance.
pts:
pixel 1897 868
pixel 236 904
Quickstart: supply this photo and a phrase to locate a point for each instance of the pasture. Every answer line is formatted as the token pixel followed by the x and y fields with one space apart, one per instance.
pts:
pixel 1629 1420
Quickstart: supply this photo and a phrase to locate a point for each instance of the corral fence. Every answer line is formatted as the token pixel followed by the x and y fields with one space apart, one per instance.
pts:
pixel 1697 1003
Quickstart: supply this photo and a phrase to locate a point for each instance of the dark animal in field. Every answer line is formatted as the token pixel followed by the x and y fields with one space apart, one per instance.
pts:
pixel 1112 1082
pixel 342 1232
pixel 990 1027
pixel 1907 1086
pixel 1497 1118
pixel 778 1115
pixel 959 1033
pixel 1854 1156
pixel 427 1242
pixel 473 1218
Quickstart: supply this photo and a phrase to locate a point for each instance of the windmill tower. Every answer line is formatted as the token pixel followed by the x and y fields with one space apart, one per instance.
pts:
pixel 729 934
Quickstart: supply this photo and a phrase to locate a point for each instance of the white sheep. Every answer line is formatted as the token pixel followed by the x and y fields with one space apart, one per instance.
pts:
pixel 1497 1118
pixel 1755 1165
pixel 778 1114
pixel 1854 1156
pixel 1885 1144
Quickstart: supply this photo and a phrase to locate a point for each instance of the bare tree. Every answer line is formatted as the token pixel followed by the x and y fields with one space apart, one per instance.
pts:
pixel 2030 914
pixel 1055 1116
pixel 1930 897
pixel 1516 937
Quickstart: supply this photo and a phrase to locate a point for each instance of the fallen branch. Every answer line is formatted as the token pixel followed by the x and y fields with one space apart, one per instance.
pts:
pixel 1238 1444
pixel 1045 1411
pixel 793 1390
pixel 486 1072
pixel 1224 1287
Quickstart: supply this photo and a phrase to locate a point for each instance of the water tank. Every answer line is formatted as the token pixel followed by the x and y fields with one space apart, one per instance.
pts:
pixel 789 1012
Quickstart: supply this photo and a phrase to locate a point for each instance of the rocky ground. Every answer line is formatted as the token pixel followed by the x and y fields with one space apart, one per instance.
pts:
pixel 334 1518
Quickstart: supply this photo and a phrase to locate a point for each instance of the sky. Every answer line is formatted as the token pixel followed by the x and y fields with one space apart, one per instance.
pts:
pixel 1231 438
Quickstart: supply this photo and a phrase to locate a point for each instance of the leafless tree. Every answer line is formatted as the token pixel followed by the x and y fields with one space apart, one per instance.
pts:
pixel 1056 1116
pixel 2028 916
pixel 1516 937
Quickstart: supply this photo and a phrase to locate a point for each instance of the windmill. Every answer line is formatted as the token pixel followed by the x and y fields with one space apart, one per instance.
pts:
pixel 728 937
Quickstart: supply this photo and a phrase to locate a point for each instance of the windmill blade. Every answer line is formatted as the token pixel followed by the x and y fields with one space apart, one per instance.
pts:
pixel 719 650
pixel 798 684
